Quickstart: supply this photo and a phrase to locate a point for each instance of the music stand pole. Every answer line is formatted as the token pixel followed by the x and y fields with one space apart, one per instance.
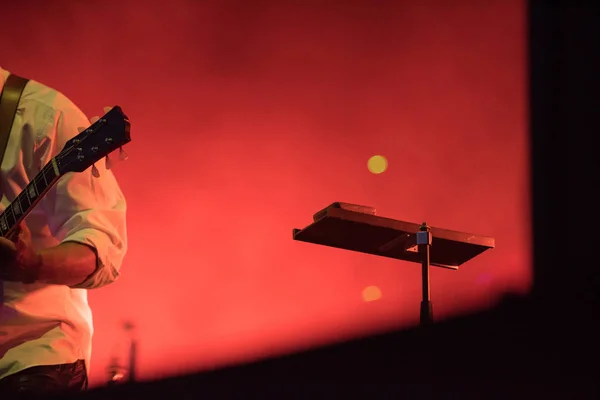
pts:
pixel 424 245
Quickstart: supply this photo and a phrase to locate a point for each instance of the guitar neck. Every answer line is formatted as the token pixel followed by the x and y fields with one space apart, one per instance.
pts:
pixel 103 137
pixel 22 205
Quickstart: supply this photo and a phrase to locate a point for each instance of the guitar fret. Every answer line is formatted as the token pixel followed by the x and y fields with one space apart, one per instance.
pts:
pixel 32 192
pixel 16 207
pixel 41 182
pixel 48 174
pixel 38 186
pixel 44 176
pixel 3 225
pixel 10 216
pixel 25 197
pixel 24 201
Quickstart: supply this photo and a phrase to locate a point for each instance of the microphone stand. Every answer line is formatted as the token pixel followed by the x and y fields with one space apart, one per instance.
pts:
pixel 118 373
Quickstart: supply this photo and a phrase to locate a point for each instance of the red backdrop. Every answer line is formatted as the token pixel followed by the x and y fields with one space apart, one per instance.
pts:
pixel 247 117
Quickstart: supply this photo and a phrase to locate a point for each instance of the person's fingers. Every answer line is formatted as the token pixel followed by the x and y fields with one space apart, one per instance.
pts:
pixel 24 236
pixel 13 235
pixel 21 233
pixel 24 231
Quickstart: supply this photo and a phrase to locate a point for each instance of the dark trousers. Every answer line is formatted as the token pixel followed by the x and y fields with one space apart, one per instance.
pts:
pixel 45 379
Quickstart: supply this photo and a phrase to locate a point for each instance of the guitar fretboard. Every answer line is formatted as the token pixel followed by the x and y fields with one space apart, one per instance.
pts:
pixel 16 211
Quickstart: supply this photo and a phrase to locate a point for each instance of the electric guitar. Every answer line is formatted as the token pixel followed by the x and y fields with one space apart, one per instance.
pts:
pixel 105 135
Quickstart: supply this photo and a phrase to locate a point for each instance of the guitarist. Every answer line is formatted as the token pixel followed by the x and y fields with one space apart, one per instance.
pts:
pixel 72 241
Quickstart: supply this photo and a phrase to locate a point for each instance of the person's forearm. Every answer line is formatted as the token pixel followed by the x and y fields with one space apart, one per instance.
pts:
pixel 69 263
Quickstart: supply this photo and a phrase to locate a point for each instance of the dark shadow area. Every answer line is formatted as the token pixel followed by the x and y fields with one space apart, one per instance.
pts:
pixel 540 346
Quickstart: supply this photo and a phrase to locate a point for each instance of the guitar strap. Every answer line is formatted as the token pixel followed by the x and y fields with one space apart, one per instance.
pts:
pixel 9 100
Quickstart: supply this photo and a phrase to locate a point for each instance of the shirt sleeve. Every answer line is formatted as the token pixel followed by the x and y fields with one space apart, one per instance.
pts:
pixel 86 209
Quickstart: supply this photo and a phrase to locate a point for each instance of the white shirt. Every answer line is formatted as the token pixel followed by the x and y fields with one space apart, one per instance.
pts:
pixel 44 324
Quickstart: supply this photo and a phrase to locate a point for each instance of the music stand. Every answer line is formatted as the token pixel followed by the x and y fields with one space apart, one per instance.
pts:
pixel 357 228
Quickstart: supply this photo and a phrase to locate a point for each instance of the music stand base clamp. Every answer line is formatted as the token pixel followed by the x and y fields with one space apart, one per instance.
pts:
pixel 424 245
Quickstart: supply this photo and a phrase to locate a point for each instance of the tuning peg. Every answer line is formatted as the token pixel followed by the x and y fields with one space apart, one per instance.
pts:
pixel 107 109
pixel 81 129
pixel 122 155
pixel 94 119
pixel 95 172
pixel 108 163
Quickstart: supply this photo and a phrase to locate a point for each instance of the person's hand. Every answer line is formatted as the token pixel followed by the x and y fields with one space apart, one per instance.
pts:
pixel 17 258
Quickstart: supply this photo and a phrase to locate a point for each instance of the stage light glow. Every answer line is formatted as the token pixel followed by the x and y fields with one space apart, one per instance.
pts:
pixel 371 293
pixel 377 164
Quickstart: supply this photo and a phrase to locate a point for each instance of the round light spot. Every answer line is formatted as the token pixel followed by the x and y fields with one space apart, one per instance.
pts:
pixel 377 164
pixel 371 293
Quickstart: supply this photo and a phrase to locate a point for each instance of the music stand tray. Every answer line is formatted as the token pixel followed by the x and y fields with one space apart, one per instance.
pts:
pixel 357 228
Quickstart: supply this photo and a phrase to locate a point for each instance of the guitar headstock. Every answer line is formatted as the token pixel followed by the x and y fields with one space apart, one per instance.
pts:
pixel 104 136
